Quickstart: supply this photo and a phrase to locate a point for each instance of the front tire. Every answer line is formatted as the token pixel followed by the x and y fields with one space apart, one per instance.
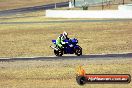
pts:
pixel 78 51
pixel 58 52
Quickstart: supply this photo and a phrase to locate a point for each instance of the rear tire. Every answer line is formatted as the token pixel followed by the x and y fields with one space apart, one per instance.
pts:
pixel 78 51
pixel 58 52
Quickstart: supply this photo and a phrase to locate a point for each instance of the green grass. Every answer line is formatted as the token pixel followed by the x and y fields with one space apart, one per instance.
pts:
pixel 58 74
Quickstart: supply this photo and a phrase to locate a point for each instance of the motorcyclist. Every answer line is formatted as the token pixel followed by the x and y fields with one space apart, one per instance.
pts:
pixel 60 40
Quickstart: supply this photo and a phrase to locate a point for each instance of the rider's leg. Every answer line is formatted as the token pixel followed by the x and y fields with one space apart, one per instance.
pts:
pixel 59 44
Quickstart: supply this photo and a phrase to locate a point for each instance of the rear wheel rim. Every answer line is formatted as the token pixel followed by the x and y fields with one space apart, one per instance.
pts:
pixel 60 53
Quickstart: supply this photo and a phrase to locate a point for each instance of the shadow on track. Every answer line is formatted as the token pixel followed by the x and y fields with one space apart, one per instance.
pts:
pixel 83 57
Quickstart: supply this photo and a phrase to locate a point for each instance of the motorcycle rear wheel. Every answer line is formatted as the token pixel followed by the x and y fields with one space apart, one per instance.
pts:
pixel 58 52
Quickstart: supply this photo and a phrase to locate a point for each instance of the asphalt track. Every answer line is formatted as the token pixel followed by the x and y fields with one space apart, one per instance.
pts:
pixel 83 57
pixel 68 21
pixel 34 8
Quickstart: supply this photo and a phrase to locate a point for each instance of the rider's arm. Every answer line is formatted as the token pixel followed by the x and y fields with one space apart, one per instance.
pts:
pixel 62 41
pixel 58 41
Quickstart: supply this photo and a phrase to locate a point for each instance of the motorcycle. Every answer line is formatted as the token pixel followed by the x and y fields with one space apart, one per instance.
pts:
pixel 70 47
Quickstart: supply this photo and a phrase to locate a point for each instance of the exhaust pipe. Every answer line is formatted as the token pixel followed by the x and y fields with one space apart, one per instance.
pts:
pixel 54 48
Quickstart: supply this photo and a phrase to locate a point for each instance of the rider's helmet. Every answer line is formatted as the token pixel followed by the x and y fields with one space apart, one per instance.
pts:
pixel 65 34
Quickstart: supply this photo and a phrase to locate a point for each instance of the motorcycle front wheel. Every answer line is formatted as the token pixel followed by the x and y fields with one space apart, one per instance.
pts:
pixel 78 51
